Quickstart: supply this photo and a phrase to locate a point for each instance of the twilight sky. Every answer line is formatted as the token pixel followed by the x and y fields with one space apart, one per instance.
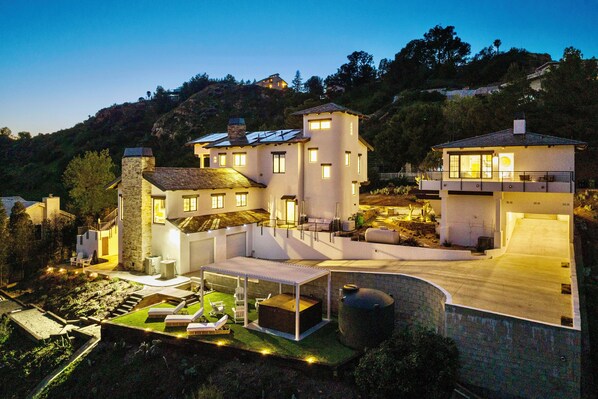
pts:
pixel 61 61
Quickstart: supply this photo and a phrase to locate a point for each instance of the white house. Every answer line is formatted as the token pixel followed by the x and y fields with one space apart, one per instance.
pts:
pixel 201 215
pixel 490 181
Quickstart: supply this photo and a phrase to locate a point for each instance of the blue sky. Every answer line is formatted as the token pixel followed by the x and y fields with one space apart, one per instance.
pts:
pixel 61 61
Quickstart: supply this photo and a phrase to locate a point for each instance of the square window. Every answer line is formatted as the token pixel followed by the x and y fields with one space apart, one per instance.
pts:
pixel 326 171
pixel 190 204
pixel 241 199
pixel 222 159
pixel 278 163
pixel 217 201
pixel 312 155
pixel 240 159
pixel 159 208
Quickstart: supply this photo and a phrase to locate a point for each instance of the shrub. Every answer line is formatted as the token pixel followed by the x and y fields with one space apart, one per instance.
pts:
pixel 411 242
pixel 208 392
pixel 5 329
pixel 412 364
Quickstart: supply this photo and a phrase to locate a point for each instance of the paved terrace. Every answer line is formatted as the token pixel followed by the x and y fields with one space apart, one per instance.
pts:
pixel 524 282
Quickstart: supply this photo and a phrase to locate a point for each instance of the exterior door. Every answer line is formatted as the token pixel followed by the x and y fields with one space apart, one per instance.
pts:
pixel 105 246
pixel 290 212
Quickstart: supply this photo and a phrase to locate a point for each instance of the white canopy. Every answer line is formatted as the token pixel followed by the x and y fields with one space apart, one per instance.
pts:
pixel 278 272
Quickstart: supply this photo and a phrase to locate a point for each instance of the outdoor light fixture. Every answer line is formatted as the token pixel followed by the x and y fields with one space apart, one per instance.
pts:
pixel 179 335
pixel 265 351
pixel 310 359
pixel 221 342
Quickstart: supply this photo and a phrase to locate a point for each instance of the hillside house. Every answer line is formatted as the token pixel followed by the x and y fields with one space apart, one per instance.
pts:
pixel 273 82
pixel 488 182
pixel 197 216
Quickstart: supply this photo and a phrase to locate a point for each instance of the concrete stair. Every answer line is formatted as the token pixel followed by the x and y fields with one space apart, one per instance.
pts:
pixel 127 305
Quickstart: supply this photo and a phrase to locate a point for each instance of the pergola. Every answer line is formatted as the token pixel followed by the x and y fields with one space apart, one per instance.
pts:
pixel 277 272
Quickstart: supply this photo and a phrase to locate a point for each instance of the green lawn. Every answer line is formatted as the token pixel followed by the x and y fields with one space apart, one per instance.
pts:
pixel 322 346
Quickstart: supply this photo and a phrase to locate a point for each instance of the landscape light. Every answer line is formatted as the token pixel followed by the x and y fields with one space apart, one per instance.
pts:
pixel 221 342
pixel 265 351
pixel 179 335
pixel 310 359
pixel 62 270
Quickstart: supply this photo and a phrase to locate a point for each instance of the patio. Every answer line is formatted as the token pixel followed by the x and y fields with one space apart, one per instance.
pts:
pixel 320 347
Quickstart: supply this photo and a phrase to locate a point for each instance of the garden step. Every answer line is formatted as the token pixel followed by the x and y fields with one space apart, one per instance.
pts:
pixel 136 296
pixel 131 303
pixel 126 307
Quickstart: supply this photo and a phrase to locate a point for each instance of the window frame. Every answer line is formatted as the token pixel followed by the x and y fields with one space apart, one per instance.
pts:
pixel 221 156
pixel 347 158
pixel 189 198
pixel 486 171
pixel 326 166
pixel 243 197
pixel 359 164
pixel 218 197
pixel 316 124
pixel 121 206
pixel 279 163
pixel 310 151
pixel 354 188
pixel 238 156
pixel 155 200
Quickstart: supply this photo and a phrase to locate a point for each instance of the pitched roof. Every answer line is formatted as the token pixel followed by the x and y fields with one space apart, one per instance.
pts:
pixel 330 107
pixel 253 139
pixel 506 138
pixel 167 179
pixel 9 202
pixel 216 221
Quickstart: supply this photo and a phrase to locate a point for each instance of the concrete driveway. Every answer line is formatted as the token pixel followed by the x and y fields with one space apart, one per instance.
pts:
pixel 540 237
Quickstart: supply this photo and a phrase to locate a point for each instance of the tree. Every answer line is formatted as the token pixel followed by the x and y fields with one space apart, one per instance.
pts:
pixel 410 365
pixel 4 245
pixel 358 71
pixel 85 178
pixel 314 85
pixel 21 233
pixel 24 135
pixel 296 83
pixel 5 132
pixel 497 43
pixel 149 94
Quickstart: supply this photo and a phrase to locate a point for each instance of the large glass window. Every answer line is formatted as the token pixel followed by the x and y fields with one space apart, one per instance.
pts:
pixel 278 162
pixel 240 159
pixel 217 201
pixel 190 203
pixel 159 207
pixel 470 166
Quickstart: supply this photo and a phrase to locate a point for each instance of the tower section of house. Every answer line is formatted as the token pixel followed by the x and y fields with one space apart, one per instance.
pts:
pixel 135 208
pixel 335 161
pixel 488 182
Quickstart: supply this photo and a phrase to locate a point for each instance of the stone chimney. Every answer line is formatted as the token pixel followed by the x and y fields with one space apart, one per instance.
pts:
pixel 236 129
pixel 136 202
pixel 519 123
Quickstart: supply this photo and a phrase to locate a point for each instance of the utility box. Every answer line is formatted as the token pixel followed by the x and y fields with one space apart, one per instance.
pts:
pixel 152 265
pixel 168 269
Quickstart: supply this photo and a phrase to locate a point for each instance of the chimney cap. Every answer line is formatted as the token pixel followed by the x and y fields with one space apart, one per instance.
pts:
pixel 236 121
pixel 138 152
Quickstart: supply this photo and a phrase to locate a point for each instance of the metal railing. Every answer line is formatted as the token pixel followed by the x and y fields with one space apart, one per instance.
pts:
pixel 332 227
pixel 102 224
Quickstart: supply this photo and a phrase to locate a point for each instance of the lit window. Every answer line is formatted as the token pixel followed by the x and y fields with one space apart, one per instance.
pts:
pixel 159 206
pixel 351 128
pixel 278 161
pixel 312 154
pixel 326 171
pixel 240 159
pixel 454 166
pixel 354 188
pixel 320 124
pixel 358 164
pixel 470 166
pixel 217 201
pixel 270 86
pixel 190 203
pixel 121 206
pixel 222 159
pixel 347 158
pixel 241 199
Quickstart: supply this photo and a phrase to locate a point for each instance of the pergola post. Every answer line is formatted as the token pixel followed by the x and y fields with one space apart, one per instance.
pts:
pixel 245 317
pixel 201 285
pixel 328 295
pixel 297 302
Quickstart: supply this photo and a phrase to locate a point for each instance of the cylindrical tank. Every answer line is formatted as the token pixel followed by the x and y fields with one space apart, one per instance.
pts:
pixel 366 316
pixel 383 236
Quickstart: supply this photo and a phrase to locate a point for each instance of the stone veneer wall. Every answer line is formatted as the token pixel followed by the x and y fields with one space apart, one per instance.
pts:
pixel 137 214
pixel 504 356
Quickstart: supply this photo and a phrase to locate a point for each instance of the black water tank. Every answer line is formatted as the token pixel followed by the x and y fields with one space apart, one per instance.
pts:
pixel 366 316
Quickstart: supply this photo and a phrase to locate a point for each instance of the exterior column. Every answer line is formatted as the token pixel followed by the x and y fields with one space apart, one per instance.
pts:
pixel 498 220
pixel 245 317
pixel 444 228
pixel 297 302
pixel 328 295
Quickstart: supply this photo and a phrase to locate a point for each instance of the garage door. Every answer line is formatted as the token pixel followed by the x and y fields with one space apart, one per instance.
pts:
pixel 201 253
pixel 236 245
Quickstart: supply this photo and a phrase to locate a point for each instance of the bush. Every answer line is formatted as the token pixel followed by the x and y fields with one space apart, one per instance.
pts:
pixel 412 364
pixel 411 242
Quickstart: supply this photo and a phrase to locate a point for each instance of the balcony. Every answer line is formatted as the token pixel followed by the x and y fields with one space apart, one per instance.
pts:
pixel 517 181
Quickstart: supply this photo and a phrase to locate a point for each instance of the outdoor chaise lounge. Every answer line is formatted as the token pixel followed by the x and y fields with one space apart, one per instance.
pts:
pixel 209 328
pixel 173 320
pixel 163 312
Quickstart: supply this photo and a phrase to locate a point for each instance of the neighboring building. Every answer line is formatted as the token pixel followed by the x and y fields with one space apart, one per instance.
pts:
pixel 101 238
pixel 535 79
pixel 490 181
pixel 201 215
pixel 273 82
pixel 48 209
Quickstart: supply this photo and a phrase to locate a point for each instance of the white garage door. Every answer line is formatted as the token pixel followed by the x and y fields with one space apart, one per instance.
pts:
pixel 200 253
pixel 236 245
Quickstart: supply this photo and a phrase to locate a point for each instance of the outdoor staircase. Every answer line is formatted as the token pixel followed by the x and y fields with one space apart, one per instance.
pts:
pixel 127 305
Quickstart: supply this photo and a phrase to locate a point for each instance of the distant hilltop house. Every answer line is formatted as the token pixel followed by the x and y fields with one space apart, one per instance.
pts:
pixel 535 79
pixel 48 209
pixel 288 177
pixel 273 82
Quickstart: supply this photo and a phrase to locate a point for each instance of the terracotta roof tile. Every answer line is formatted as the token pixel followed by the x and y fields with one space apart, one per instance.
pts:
pixel 197 179
pixel 216 221
pixel 330 107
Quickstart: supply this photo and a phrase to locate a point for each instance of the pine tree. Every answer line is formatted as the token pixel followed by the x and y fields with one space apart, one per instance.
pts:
pixel 297 82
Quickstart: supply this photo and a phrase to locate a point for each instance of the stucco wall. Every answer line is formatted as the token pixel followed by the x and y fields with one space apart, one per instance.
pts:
pixel 467 217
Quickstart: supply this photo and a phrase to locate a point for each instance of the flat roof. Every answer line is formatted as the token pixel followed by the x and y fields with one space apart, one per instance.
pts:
pixel 278 272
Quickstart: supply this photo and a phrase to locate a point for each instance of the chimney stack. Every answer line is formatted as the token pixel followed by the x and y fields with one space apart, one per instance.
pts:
pixel 236 129
pixel 519 123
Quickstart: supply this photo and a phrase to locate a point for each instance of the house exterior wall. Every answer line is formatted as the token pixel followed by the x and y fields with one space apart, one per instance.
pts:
pixel 466 217
pixel 36 213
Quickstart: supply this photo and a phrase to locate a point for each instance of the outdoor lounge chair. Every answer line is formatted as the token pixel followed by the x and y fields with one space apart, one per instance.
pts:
pixel 217 307
pixel 75 259
pixel 218 327
pixel 173 320
pixel 259 300
pixel 163 312
pixel 239 296
pixel 84 261
pixel 239 314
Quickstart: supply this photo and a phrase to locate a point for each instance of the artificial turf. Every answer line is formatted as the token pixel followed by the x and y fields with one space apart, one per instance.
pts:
pixel 321 346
